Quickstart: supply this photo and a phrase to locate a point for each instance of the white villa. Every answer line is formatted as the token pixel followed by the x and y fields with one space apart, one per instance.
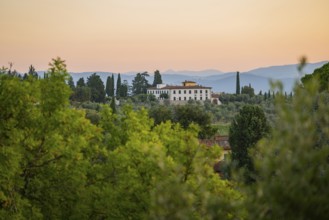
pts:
pixel 189 90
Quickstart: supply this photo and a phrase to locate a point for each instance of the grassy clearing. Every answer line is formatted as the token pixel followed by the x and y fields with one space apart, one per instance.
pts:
pixel 223 128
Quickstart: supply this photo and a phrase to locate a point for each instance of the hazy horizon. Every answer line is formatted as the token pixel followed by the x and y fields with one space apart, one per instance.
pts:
pixel 125 36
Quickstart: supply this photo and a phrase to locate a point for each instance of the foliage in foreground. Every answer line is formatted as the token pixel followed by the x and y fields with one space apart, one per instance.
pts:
pixel 55 164
pixel 293 164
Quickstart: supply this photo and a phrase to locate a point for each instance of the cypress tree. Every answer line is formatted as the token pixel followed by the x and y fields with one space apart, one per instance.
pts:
pixel 112 86
pixel 118 86
pixel 113 105
pixel 237 83
pixel 108 86
pixel 157 78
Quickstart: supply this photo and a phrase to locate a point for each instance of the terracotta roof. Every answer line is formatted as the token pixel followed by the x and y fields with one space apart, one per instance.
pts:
pixel 215 95
pixel 181 87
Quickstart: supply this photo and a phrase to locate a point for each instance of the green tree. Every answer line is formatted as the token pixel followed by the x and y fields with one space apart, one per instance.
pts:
pixel 118 90
pixel 157 78
pixel 95 83
pixel 140 83
pixel 161 113
pixel 109 88
pixel 124 89
pixel 112 86
pixel 82 94
pixel 185 115
pixel 149 171
pixel 81 82
pixel 237 83
pixel 293 168
pixel 32 72
pixel 45 147
pixel 322 74
pixel 248 90
pixel 247 128
pixel 164 96
pixel 70 82
pixel 113 105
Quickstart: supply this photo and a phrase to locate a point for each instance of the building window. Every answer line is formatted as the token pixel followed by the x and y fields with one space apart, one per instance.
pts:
pixel 189 91
pixel 184 98
pixel 194 98
pixel 206 91
pixel 190 98
pixel 201 91
pixel 179 98
pixel 178 91
pixel 195 91
pixel 200 98
pixel 184 91
pixel 174 98
pixel 174 91
pixel 206 98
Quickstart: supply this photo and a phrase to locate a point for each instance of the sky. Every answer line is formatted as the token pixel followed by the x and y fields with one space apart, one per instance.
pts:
pixel 145 35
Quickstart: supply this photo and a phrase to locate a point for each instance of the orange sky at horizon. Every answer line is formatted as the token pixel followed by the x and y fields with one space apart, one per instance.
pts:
pixel 131 35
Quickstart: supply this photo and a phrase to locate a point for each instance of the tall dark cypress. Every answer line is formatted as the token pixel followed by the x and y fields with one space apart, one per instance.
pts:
pixel 108 86
pixel 112 105
pixel 237 83
pixel 112 86
pixel 157 78
pixel 118 86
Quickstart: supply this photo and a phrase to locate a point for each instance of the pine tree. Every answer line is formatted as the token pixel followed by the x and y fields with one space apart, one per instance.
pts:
pixel 71 83
pixel 81 82
pixel 237 83
pixel 118 93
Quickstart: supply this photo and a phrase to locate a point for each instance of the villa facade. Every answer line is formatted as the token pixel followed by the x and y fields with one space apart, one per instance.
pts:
pixel 189 90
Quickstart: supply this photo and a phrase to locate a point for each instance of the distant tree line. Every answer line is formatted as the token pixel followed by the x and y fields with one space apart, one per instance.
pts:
pixel 94 89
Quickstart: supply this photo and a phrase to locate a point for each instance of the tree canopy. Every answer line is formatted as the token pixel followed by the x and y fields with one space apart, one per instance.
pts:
pixel 97 89
pixel 322 74
pixel 55 164
pixel 248 90
pixel 140 83
pixel 157 78
pixel 292 164
pixel 247 128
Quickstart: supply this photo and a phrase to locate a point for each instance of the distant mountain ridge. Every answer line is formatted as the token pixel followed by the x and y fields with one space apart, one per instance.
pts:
pixel 259 78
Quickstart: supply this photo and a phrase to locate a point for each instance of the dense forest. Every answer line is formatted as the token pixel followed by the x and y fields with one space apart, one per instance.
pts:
pixel 69 152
